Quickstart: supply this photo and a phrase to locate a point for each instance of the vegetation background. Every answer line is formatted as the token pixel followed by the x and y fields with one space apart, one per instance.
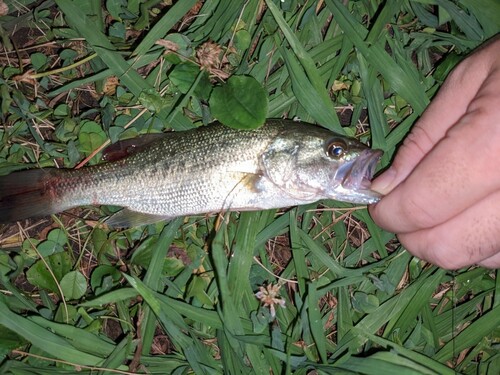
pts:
pixel 336 293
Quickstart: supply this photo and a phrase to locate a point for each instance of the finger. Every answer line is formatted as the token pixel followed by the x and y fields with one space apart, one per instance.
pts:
pixel 491 262
pixel 449 105
pixel 472 237
pixel 460 170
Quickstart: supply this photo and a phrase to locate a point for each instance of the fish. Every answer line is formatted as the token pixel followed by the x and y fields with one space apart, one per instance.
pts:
pixel 209 169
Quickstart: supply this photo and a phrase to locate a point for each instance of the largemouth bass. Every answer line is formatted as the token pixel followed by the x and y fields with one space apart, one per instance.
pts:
pixel 205 170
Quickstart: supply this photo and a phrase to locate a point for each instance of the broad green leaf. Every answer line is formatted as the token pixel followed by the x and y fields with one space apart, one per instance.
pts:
pixel 104 278
pixel 38 274
pixel 365 303
pixel 197 288
pixel 73 285
pixel 242 39
pixel 90 137
pixel 240 103
pixel 184 75
pixel 116 8
pixel 153 101
pixel 67 314
pixel 38 60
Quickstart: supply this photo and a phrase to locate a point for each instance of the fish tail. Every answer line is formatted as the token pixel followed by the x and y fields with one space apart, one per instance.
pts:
pixel 31 193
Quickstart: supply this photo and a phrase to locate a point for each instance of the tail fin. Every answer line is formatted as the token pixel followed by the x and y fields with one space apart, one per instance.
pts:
pixel 27 194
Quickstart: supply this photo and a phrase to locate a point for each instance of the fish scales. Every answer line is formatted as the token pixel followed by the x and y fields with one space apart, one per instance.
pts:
pixel 180 175
pixel 210 169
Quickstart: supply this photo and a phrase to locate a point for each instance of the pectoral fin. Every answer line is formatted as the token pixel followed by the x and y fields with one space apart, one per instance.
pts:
pixel 127 218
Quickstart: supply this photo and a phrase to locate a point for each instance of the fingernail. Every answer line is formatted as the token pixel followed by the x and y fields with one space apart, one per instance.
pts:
pixel 384 183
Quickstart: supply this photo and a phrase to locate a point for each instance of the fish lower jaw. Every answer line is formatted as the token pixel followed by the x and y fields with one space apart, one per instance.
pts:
pixel 362 196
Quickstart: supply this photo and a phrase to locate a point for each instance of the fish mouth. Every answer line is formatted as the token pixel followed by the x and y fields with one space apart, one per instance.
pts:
pixel 356 178
pixel 359 177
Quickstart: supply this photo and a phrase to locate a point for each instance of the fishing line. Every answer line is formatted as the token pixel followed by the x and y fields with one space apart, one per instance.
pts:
pixel 454 304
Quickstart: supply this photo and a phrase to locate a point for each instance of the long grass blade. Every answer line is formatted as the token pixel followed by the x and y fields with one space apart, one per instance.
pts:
pixel 106 51
pixel 399 80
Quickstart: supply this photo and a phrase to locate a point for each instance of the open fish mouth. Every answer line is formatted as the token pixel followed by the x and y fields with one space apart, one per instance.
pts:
pixel 355 178
pixel 359 177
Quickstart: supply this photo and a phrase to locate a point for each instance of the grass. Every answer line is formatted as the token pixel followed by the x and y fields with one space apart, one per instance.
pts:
pixel 179 297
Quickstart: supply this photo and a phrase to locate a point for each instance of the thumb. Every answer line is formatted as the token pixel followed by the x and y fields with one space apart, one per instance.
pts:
pixel 415 146
pixel 443 112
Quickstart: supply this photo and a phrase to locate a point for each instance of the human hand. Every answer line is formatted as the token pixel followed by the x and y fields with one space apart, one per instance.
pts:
pixel 443 188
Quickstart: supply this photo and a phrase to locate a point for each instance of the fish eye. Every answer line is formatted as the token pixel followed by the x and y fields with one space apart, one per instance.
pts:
pixel 336 148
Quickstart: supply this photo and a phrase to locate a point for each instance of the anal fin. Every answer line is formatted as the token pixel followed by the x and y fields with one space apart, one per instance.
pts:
pixel 127 218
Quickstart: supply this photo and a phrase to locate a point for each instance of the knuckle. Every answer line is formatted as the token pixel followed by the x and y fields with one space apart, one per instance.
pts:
pixel 437 253
pixel 417 214
pixel 417 142
pixel 443 256
pixel 433 247
pixel 479 115
pixel 414 148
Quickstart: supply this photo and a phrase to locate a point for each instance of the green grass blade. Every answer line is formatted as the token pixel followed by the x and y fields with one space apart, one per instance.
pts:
pixel 326 116
pixel 471 335
pixel 152 278
pixel 163 26
pixel 171 322
pixel 386 312
pixel 466 22
pixel 486 12
pixel 134 63
pixel 408 316
pixel 121 294
pixel 423 360
pixel 401 81
pixel 79 338
pixel 298 253
pixel 230 315
pixel 45 340
pixel 238 272
pixel 315 321
pixel 119 355
pixel 375 97
pixel 386 363
pixel 344 313
pixel 167 236
pixel 106 51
